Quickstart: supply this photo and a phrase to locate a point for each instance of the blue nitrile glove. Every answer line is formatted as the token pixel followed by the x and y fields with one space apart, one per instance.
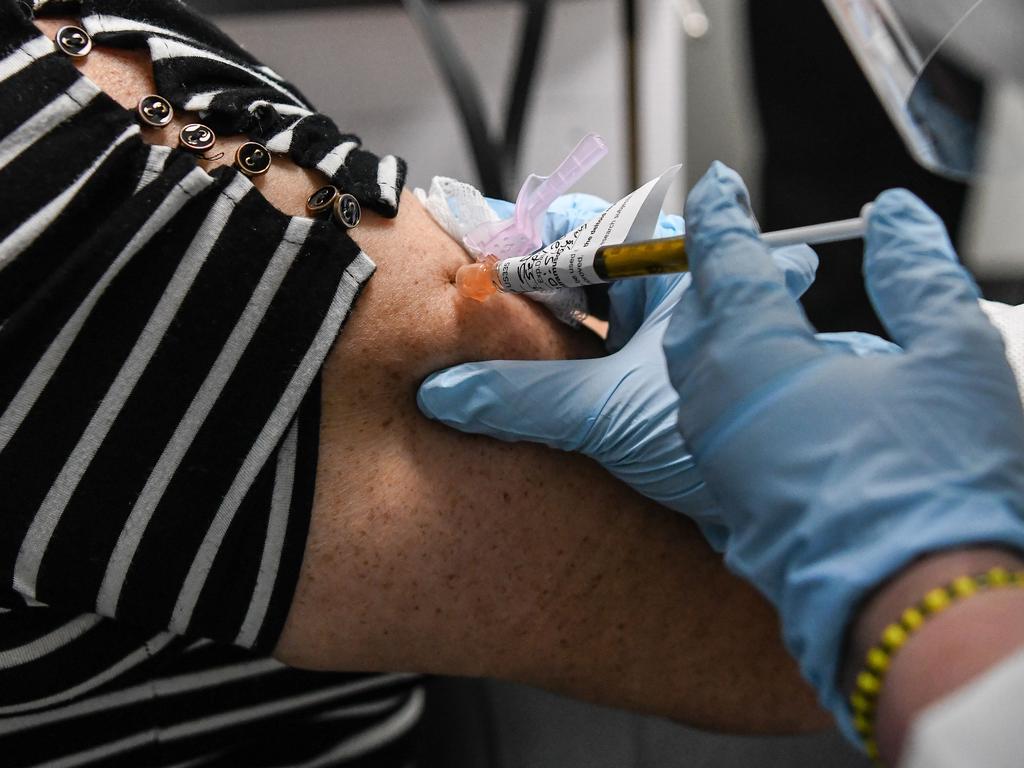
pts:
pixel 620 410
pixel 832 472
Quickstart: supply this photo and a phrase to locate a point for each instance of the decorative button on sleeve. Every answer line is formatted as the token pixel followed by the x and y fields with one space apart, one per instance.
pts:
pixel 322 199
pixel 253 159
pixel 197 137
pixel 73 41
pixel 347 212
pixel 155 111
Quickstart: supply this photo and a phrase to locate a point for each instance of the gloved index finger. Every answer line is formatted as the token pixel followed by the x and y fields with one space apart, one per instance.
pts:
pixel 922 294
pixel 733 271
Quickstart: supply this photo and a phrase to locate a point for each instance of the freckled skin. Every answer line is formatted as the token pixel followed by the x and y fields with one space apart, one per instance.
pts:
pixel 439 552
pixel 508 560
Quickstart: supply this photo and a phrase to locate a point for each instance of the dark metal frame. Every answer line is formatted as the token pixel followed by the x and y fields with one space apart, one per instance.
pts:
pixel 496 157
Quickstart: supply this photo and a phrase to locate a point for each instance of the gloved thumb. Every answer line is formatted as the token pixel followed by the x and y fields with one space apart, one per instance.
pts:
pixel 925 298
pixel 539 401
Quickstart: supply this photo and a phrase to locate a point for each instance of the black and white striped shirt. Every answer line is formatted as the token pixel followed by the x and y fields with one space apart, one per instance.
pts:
pixel 162 331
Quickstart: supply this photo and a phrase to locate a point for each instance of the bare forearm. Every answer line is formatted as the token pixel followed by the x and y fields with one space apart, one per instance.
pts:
pixel 949 650
pixel 435 551
pixel 593 592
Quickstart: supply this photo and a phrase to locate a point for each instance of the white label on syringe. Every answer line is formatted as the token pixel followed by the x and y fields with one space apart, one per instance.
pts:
pixel 548 269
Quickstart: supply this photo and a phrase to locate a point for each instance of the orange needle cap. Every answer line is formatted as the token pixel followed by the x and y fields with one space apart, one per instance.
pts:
pixel 474 281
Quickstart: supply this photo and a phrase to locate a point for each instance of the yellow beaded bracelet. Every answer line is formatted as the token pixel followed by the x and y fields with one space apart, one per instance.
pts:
pixel 869 681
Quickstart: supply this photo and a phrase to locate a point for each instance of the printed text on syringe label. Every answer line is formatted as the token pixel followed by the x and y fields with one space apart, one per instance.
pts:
pixel 548 269
pixel 569 261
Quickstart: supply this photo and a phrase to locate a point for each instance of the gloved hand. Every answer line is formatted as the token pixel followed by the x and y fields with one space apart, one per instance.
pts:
pixel 619 410
pixel 833 471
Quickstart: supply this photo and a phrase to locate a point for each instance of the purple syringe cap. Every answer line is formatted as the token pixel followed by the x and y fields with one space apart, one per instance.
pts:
pixel 521 234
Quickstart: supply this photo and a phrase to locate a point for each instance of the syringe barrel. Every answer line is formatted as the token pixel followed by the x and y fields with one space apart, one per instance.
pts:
pixel 554 270
pixel 649 257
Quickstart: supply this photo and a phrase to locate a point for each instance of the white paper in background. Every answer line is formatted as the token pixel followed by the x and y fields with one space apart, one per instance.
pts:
pixel 568 262
pixel 992 239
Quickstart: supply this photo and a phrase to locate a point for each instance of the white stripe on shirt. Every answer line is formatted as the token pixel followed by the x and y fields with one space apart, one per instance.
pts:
pixel 194 417
pixel 118 747
pixel 33 546
pixel 354 276
pixel 155 162
pixel 197 761
pixel 282 142
pixel 26 54
pixel 162 48
pixel 273 543
pixel 41 220
pixel 269 72
pixel 98 23
pixel 73 100
pixel 394 725
pixel 151 689
pixel 334 159
pixel 276 707
pixel 48 643
pixel 367 709
pixel 374 737
pixel 22 402
pixel 132 660
pixel 282 109
pixel 200 102
pixel 387 179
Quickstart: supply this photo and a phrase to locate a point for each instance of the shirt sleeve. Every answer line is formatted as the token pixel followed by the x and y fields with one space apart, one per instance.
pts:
pixel 162 332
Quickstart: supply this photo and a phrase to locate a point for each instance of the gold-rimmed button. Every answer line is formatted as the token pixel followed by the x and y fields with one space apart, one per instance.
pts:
pixel 155 111
pixel 253 159
pixel 197 137
pixel 322 199
pixel 346 211
pixel 73 41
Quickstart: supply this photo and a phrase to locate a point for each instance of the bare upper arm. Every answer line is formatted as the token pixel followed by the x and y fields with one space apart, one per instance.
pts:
pixel 442 552
pixel 434 551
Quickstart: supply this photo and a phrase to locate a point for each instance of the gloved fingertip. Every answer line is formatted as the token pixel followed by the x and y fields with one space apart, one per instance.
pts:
pixel 730 264
pixel 899 202
pixel 726 175
pixel 920 291
pixel 799 263
pixel 717 182
pixel 440 391
pixel 900 223
pixel 718 206
pixel 670 225
pixel 426 395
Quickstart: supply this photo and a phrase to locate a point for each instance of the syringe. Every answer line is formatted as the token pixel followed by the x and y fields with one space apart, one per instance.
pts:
pixel 553 270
